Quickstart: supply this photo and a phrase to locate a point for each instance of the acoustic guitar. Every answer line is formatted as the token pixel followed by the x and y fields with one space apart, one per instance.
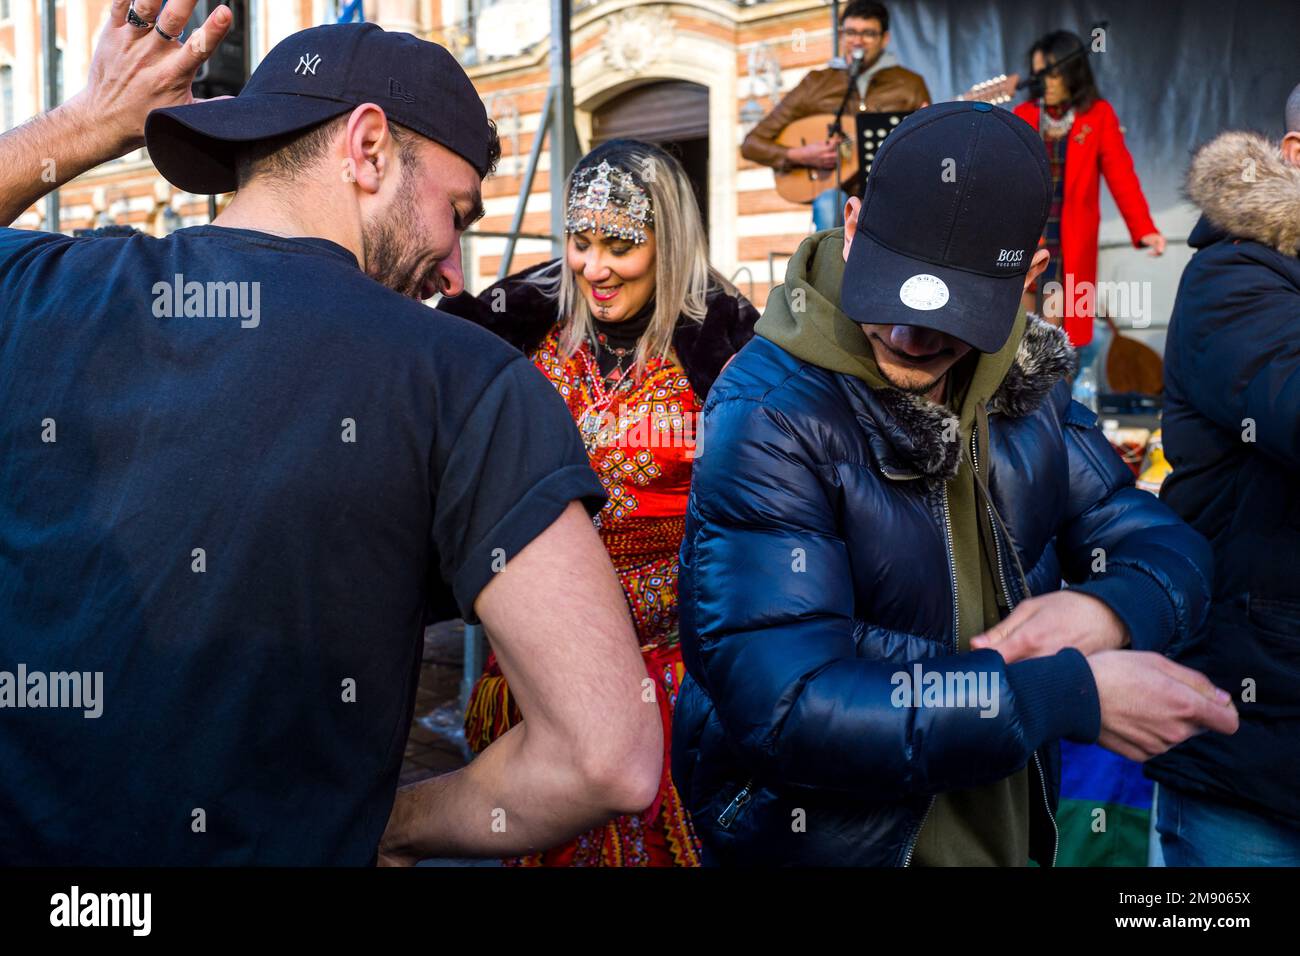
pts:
pixel 803 184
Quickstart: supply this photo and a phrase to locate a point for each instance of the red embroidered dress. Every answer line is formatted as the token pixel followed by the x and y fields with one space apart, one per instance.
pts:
pixel 640 435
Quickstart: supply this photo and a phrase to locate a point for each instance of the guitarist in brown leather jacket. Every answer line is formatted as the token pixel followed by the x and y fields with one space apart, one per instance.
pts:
pixel 883 86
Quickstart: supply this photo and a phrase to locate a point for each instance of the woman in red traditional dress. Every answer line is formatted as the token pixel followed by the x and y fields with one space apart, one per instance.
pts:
pixel 631 326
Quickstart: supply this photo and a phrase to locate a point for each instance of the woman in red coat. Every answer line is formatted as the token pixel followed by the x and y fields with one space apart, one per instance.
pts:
pixel 1084 141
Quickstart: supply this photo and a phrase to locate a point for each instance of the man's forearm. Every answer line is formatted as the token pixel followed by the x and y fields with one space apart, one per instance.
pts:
pixel 760 148
pixel 513 799
pixel 44 153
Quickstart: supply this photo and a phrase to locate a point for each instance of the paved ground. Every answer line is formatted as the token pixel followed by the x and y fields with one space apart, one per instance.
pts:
pixel 436 741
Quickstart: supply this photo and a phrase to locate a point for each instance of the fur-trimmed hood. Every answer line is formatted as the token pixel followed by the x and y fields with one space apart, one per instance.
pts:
pixel 917 426
pixel 1244 187
pixel 911 434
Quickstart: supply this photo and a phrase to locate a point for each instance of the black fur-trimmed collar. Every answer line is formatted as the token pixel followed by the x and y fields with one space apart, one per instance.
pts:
pixel 528 316
pixel 913 435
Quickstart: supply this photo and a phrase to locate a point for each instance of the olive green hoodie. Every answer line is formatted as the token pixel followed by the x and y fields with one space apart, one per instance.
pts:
pixel 985 825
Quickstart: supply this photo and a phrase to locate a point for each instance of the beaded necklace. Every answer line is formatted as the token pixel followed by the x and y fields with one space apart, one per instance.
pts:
pixel 592 421
pixel 1054 127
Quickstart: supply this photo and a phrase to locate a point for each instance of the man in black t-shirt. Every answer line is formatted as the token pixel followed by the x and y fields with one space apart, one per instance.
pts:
pixel 241 464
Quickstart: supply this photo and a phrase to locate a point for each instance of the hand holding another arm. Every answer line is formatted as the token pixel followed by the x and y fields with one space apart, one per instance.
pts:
pixel 1148 703
pixel 1041 626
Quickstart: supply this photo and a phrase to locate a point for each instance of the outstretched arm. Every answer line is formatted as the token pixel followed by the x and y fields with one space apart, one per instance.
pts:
pixel 133 72
pixel 1121 176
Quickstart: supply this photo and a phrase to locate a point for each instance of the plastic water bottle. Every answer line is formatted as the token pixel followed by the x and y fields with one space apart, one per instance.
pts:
pixel 1085 386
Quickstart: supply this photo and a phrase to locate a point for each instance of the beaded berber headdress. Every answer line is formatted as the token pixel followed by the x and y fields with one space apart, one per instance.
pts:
pixel 609 200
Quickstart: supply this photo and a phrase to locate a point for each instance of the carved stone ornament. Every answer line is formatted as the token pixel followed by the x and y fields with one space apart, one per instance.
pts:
pixel 635 38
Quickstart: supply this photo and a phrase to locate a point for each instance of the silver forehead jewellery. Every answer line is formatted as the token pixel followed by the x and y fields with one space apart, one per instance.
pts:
pixel 608 199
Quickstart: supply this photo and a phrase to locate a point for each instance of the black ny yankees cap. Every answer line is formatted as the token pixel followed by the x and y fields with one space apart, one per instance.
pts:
pixel 950 219
pixel 313 76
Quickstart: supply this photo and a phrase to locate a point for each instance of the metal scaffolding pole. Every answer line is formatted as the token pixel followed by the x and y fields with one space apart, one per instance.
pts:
pixel 837 62
pixel 517 223
pixel 564 138
pixel 557 123
pixel 49 43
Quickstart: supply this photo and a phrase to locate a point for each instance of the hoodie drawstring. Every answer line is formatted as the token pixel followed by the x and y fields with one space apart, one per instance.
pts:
pixel 982 432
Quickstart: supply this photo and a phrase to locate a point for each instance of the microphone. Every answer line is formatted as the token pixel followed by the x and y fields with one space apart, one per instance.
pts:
pixel 855 67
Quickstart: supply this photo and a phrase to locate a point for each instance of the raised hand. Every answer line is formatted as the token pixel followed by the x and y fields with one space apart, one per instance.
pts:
pixel 135 70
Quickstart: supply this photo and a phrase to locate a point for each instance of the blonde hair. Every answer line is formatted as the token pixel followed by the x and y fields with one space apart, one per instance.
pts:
pixel 682 271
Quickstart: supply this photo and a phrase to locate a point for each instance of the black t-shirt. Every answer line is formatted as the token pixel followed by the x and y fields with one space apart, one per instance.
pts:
pixel 236 476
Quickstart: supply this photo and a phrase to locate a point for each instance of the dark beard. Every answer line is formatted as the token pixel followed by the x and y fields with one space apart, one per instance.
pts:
pixel 391 259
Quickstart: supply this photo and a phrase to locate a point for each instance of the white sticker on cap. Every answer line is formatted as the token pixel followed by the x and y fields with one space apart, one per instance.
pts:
pixel 924 292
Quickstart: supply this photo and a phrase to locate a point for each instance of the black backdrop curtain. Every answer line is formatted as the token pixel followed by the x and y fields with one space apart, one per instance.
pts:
pixel 1177 71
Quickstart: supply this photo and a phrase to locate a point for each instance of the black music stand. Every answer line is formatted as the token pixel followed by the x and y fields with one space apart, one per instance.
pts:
pixel 873 128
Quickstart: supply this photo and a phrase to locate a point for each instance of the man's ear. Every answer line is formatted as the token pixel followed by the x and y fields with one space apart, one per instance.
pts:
pixel 1291 148
pixel 1036 266
pixel 366 147
pixel 851 210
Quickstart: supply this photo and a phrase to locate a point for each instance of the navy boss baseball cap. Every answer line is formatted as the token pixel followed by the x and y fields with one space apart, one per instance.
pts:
pixel 952 213
pixel 313 76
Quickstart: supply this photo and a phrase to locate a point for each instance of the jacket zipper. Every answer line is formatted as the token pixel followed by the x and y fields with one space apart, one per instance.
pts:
pixel 952 571
pixel 1006 593
pixel 1056 832
pixel 916 834
pixel 728 816
pixel 997 541
pixel 956 630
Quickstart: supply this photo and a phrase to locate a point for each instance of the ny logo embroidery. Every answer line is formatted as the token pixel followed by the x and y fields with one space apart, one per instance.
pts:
pixel 307 63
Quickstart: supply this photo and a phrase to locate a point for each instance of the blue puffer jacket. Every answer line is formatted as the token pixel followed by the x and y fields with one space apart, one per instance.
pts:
pixel 786 747
pixel 1232 433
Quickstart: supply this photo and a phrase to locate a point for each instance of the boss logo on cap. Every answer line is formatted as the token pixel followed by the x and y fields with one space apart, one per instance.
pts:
pixel 1010 257
pixel 924 293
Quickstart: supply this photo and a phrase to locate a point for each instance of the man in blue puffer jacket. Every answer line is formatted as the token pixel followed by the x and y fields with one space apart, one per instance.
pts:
pixel 892 483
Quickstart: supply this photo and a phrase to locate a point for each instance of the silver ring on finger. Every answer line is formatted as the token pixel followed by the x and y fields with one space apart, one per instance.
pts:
pixel 165 35
pixel 135 19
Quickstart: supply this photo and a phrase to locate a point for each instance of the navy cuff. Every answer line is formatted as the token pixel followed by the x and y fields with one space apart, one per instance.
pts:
pixel 1140 601
pixel 1056 697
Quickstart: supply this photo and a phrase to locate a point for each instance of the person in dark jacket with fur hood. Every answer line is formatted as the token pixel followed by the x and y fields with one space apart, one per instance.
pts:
pixel 1232 434
pixel 631 326
pixel 893 483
